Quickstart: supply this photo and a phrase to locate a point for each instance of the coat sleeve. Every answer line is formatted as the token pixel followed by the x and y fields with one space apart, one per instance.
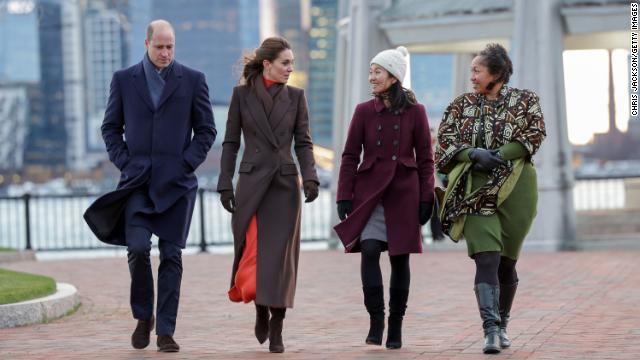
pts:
pixel 204 127
pixel 230 145
pixel 303 143
pixel 424 155
pixel 449 140
pixel 113 126
pixel 534 133
pixel 350 157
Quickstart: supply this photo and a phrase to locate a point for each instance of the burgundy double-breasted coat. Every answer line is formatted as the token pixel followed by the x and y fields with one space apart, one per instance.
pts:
pixel 396 169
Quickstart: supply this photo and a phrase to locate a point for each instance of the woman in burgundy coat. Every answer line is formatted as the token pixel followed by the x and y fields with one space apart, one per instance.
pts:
pixel 383 202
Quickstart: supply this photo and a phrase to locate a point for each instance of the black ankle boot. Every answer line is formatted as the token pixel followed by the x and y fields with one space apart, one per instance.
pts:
pixel 507 293
pixel 397 307
pixel 275 330
pixel 262 323
pixel 374 302
pixel 487 296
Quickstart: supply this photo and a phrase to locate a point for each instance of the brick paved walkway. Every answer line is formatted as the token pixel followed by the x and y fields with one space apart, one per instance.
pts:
pixel 581 305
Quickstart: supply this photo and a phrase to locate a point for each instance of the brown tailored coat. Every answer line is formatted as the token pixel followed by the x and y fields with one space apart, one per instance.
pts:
pixel 268 182
pixel 396 168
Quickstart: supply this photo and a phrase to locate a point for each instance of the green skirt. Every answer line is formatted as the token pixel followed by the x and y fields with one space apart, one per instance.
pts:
pixel 505 230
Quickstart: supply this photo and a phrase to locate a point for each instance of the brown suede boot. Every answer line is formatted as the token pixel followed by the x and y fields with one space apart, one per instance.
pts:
pixel 167 344
pixel 262 323
pixel 142 333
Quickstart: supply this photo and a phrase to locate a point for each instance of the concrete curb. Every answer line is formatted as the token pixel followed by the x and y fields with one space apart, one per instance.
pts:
pixel 41 310
pixel 14 256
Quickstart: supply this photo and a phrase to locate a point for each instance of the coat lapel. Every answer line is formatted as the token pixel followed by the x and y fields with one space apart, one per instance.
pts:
pixel 172 83
pixel 140 84
pixel 280 106
pixel 257 112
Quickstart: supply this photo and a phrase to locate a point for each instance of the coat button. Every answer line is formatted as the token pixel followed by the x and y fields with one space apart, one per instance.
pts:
pixel 379 127
pixel 379 143
pixel 394 158
pixel 257 151
pixel 395 142
pixel 396 127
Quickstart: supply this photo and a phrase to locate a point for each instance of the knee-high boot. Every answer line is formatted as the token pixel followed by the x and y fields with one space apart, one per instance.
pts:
pixel 397 307
pixel 507 293
pixel 487 296
pixel 374 302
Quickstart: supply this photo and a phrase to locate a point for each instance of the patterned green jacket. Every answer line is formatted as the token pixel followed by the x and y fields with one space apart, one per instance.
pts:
pixel 472 121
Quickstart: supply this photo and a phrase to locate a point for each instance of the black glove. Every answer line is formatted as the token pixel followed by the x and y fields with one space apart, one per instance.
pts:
pixel 310 188
pixel 488 159
pixel 344 208
pixel 228 200
pixel 479 168
pixel 426 209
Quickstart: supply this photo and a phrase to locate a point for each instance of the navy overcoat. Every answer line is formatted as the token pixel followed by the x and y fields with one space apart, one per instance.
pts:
pixel 160 149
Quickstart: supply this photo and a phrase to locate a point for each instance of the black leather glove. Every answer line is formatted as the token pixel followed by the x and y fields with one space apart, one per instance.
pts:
pixel 488 159
pixel 478 167
pixel 426 209
pixel 310 188
pixel 344 208
pixel 228 200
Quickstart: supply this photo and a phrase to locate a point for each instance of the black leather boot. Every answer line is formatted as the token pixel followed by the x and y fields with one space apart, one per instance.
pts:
pixel 507 293
pixel 374 302
pixel 275 330
pixel 397 307
pixel 262 323
pixel 488 296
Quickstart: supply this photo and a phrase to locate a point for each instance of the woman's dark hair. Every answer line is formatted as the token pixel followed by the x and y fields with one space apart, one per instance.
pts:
pixel 399 97
pixel 268 50
pixel 496 59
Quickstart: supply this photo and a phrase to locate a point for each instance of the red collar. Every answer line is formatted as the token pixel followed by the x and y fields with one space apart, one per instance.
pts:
pixel 267 82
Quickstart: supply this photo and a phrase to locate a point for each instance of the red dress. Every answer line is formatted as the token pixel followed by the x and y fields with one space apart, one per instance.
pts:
pixel 244 288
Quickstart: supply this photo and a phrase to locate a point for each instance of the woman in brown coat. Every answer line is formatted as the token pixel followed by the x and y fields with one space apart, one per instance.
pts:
pixel 383 202
pixel 266 205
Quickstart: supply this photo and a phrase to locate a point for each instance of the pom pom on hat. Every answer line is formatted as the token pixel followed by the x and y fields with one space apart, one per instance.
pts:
pixel 394 61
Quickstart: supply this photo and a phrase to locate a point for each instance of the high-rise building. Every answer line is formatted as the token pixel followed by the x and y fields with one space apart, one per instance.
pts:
pixel 15 115
pixel 137 17
pixel 60 138
pixel 47 141
pixel 19 58
pixel 103 56
pixel 322 53
pixel 212 36
pixel 293 22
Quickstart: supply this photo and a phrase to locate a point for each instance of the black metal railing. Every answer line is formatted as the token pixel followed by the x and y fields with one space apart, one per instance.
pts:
pixel 54 222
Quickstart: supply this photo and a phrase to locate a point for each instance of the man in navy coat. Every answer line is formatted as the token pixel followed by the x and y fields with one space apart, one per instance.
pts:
pixel 163 110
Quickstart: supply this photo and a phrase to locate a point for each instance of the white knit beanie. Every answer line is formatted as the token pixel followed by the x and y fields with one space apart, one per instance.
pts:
pixel 394 61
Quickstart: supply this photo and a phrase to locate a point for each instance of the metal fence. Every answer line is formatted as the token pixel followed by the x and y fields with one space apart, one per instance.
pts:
pixel 54 222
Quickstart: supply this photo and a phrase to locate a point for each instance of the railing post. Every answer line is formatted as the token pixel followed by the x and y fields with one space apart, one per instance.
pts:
pixel 27 219
pixel 203 240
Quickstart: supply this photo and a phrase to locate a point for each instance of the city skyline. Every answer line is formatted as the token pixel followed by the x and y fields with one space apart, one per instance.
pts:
pixel 86 41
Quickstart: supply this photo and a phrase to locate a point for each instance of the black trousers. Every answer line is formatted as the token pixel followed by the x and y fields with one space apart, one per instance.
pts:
pixel 169 273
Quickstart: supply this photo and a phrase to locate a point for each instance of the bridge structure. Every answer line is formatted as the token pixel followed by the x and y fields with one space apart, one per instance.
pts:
pixel 535 32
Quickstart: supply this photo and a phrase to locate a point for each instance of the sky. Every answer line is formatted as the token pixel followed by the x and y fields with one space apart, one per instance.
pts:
pixel 587 92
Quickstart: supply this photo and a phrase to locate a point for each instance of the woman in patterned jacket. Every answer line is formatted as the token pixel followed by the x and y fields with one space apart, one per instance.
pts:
pixel 485 144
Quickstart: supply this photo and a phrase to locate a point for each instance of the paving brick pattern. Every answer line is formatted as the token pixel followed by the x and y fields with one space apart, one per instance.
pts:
pixel 570 305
